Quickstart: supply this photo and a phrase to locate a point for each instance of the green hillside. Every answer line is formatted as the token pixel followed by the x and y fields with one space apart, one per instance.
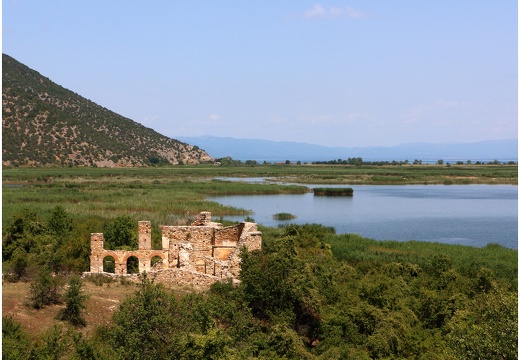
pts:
pixel 44 124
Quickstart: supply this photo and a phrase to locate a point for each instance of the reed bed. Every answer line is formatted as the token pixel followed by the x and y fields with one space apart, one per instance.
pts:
pixel 164 193
pixel 146 198
pixel 333 192
pixel 468 260
pixel 334 174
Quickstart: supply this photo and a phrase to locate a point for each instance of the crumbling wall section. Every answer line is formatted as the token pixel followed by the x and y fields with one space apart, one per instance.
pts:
pixel 96 252
pixel 250 239
pixel 188 244
pixel 144 231
pixel 204 248
pixel 185 278
pixel 226 241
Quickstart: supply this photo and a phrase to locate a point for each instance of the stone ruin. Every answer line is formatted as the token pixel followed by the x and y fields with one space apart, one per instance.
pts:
pixel 199 254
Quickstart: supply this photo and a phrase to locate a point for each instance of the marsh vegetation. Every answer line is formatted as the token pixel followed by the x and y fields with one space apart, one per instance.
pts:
pixel 333 191
pixel 308 294
pixel 284 216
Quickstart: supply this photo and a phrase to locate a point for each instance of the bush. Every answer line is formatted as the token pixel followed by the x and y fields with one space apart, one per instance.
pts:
pixel 75 303
pixel 18 265
pixel 121 233
pixel 144 324
pixel 333 192
pixel 488 328
pixel 44 290
pixel 99 279
pixel 15 342
pixel 284 216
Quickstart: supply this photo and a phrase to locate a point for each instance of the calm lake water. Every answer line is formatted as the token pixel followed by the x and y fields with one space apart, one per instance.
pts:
pixel 472 215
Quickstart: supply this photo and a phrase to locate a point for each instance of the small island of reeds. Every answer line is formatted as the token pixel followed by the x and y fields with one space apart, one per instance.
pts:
pixel 284 216
pixel 333 192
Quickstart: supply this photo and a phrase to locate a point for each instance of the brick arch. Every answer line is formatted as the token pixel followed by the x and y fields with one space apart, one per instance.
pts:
pixel 113 253
pixel 113 256
pixel 126 264
pixel 155 253
pixel 160 254
pixel 127 254
pixel 119 263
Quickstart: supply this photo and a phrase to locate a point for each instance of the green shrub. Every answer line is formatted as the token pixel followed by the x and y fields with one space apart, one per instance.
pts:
pixel 75 303
pixel 121 233
pixel 15 342
pixel 144 324
pixel 44 290
pixel 333 192
pixel 99 279
pixel 284 216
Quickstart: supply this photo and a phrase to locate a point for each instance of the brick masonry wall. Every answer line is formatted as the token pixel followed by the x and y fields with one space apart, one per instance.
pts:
pixel 200 254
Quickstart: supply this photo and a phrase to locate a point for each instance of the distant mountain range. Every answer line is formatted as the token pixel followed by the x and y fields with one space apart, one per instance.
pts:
pixel 276 151
pixel 44 124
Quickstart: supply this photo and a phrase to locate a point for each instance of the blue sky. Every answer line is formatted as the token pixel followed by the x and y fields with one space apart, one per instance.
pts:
pixel 337 73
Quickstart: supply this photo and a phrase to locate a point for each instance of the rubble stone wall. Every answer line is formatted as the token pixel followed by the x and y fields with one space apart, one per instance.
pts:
pixel 203 252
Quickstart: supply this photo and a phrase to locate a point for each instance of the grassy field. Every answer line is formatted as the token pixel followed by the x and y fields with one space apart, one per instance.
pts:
pixel 334 174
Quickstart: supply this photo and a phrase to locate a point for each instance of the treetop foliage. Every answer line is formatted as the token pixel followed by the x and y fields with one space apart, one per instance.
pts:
pixel 307 294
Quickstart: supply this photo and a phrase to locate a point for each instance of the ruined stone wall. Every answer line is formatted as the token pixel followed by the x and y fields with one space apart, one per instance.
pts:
pixel 226 241
pixel 188 278
pixel 96 252
pixel 144 231
pixel 250 239
pixel 188 244
pixel 200 254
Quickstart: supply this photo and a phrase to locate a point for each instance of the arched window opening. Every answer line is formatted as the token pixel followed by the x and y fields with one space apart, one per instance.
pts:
pixel 156 262
pixel 109 265
pixel 132 265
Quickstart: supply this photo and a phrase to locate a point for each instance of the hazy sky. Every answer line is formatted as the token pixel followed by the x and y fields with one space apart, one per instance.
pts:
pixel 337 73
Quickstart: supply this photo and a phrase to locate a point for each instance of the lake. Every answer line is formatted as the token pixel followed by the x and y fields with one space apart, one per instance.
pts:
pixel 473 215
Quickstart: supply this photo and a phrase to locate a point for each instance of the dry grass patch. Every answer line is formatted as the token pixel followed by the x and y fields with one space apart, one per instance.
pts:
pixel 103 301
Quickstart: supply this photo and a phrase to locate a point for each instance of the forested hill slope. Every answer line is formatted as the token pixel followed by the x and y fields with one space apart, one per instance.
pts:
pixel 46 124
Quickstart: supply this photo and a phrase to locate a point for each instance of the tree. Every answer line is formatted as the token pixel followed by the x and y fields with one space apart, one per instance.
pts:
pixel 277 285
pixel 15 342
pixel 75 303
pixel 488 328
pixel 60 222
pixel 44 290
pixel 19 263
pixel 121 233
pixel 20 233
pixel 144 323
pixel 355 161
pixel 440 162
